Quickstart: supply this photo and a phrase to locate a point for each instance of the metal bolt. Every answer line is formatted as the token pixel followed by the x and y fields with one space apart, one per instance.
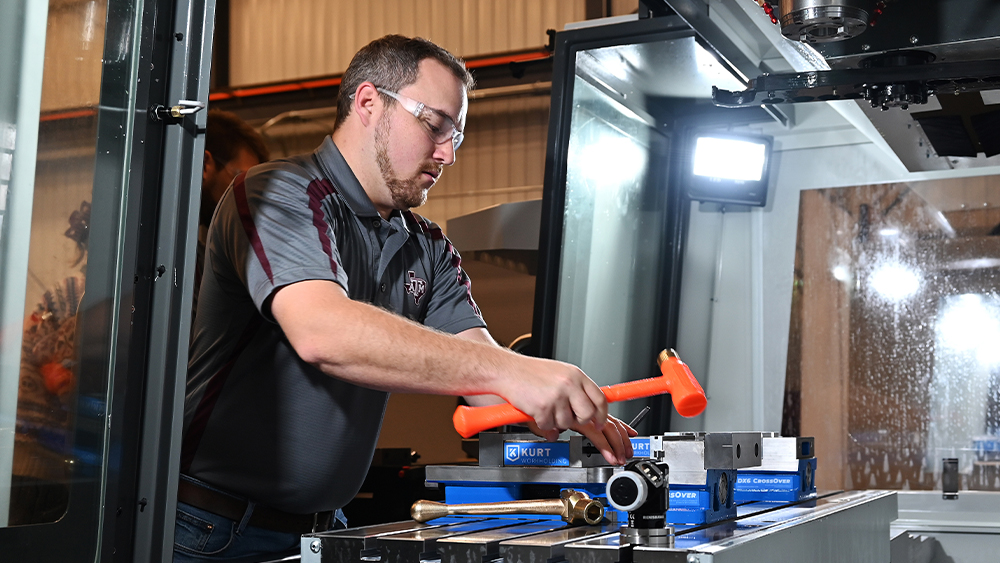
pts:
pixel 866 47
pixel 914 40
pixel 694 559
pixel 315 546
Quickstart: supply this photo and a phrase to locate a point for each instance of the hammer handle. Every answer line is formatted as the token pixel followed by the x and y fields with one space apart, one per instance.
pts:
pixel 677 379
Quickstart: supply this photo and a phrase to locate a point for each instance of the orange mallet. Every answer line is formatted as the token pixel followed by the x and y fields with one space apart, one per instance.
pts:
pixel 687 394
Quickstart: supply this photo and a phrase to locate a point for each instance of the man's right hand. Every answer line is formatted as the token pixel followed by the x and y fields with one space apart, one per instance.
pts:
pixel 555 394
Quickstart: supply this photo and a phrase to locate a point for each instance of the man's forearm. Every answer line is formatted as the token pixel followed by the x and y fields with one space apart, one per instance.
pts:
pixel 373 348
pixel 365 345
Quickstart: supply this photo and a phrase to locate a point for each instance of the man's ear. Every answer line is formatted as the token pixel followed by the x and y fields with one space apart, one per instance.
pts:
pixel 366 103
pixel 209 169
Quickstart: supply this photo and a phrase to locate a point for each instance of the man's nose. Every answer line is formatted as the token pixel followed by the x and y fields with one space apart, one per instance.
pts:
pixel 445 153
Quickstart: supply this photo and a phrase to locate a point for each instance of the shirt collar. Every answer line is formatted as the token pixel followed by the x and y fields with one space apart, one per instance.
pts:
pixel 334 165
pixel 397 219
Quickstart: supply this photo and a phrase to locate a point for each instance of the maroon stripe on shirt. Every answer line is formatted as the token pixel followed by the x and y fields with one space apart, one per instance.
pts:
pixel 318 190
pixel 240 193
pixel 435 232
pixel 456 260
pixel 192 438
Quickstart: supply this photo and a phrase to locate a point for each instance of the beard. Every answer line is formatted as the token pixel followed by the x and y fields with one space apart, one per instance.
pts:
pixel 405 193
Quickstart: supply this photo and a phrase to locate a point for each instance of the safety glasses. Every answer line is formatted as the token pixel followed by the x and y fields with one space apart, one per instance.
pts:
pixel 439 127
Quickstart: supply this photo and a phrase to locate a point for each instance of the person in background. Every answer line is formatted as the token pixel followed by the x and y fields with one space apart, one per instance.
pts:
pixel 323 292
pixel 231 146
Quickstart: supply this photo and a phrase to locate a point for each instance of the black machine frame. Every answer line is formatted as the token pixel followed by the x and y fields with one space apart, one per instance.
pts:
pixel 134 332
pixel 679 120
pixel 567 45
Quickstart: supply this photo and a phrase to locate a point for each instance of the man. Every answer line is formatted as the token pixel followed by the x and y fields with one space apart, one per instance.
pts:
pixel 322 293
pixel 231 147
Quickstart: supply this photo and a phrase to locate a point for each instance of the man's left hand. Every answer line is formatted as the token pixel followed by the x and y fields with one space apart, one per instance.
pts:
pixel 612 440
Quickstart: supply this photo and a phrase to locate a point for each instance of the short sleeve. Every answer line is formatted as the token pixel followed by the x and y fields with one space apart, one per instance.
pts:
pixel 451 308
pixel 281 229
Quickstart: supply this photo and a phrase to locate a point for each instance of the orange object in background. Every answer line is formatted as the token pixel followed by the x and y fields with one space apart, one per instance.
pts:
pixel 57 378
pixel 685 391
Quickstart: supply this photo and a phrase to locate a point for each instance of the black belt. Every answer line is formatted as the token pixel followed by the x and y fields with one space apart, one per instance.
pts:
pixel 265 517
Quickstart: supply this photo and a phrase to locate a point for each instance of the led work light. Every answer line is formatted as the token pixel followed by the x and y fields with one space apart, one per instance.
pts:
pixel 730 169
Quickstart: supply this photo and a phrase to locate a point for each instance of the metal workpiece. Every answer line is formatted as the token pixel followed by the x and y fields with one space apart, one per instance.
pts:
pixel 787 472
pixel 551 546
pixel 691 454
pixel 783 453
pixel 686 459
pixel 732 450
pixel 575 507
pixel 491 446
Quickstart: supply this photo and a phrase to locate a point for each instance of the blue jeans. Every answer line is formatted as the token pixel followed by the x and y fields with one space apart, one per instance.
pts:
pixel 202 536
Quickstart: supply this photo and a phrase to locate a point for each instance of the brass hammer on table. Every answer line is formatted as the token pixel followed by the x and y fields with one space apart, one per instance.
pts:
pixel 575 507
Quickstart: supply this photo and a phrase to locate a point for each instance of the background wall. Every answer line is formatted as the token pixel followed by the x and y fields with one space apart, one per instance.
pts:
pixel 74 45
pixel 502 159
pixel 280 40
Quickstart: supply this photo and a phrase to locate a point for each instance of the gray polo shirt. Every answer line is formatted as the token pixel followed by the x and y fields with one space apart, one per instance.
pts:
pixel 258 421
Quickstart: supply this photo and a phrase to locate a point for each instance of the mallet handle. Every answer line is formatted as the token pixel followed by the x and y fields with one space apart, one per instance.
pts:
pixel 687 394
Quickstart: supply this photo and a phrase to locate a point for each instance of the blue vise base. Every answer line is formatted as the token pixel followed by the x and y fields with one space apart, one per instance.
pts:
pixel 777 486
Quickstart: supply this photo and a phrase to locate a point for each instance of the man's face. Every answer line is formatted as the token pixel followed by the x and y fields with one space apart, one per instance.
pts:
pixel 217 177
pixel 409 161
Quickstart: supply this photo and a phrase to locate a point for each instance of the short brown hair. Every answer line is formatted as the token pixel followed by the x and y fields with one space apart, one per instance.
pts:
pixel 226 134
pixel 393 62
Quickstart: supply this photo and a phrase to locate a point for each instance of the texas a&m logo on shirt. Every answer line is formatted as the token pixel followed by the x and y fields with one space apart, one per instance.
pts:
pixel 416 287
